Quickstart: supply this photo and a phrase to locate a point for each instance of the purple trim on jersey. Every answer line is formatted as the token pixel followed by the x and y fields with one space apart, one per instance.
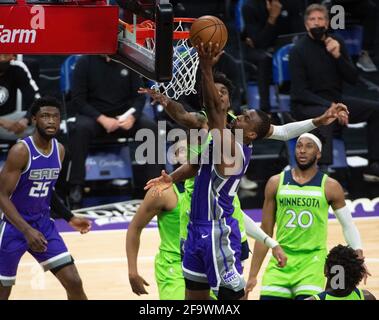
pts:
pixel 32 194
pixel 211 199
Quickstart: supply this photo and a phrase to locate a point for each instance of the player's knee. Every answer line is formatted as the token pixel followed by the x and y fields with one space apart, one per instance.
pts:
pixel 74 283
pixel 229 294
pixel 5 292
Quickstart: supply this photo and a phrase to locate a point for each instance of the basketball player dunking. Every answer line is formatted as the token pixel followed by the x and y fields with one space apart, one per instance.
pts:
pixel 27 183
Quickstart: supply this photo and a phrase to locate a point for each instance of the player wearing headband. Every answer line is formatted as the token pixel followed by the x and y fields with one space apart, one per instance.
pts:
pixel 298 201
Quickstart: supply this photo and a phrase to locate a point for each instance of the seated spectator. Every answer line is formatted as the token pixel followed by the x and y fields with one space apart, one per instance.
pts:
pixel 102 90
pixel 264 21
pixel 319 64
pixel 366 12
pixel 15 75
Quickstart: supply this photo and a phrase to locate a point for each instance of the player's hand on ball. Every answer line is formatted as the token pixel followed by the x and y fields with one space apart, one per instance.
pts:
pixel 280 256
pixel 159 184
pixel 36 240
pixel 209 55
pixel 80 224
pixel 250 285
pixel 138 284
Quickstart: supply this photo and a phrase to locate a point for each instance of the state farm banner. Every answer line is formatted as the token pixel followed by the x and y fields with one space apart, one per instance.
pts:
pixel 58 29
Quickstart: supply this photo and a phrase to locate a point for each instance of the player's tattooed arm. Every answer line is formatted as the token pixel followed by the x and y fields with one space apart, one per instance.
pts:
pixel 16 162
pixel 190 120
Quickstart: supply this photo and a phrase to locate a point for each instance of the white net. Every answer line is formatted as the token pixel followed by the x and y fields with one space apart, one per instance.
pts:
pixel 185 63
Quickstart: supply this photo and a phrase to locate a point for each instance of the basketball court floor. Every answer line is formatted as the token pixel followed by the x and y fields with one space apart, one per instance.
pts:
pixel 101 259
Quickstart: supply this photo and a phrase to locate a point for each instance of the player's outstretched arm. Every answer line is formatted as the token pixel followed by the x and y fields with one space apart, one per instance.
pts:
pixel 268 222
pixel 225 146
pixel 292 130
pixel 216 113
pixel 16 162
pixel 175 110
pixel 165 181
pixel 336 198
pixel 150 207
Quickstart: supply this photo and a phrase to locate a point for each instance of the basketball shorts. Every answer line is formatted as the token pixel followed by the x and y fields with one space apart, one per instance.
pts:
pixel 212 254
pixel 303 275
pixel 13 245
pixel 169 276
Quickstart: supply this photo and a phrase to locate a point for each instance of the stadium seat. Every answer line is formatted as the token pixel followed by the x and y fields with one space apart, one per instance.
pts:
pixel 109 158
pixel 353 37
pixel 281 76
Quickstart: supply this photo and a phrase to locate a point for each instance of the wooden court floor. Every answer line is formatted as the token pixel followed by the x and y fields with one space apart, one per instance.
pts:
pixel 101 259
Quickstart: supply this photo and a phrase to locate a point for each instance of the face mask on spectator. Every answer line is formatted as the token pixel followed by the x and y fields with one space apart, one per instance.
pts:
pixel 4 66
pixel 318 32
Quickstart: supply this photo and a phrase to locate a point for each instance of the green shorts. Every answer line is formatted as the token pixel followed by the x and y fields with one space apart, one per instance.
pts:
pixel 303 275
pixel 169 276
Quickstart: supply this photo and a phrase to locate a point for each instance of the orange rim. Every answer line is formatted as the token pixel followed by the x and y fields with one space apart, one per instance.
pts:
pixel 146 28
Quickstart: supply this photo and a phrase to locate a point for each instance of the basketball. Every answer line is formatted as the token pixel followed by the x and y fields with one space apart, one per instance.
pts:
pixel 208 29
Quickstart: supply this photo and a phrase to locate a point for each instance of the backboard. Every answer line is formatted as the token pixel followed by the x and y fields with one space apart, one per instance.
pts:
pixel 145 42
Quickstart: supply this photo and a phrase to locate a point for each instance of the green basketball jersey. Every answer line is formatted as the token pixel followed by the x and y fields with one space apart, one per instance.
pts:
pixel 356 294
pixel 189 185
pixel 302 213
pixel 168 226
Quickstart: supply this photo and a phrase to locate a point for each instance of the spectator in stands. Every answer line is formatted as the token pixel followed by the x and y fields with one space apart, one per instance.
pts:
pixel 15 75
pixel 366 12
pixel 102 90
pixel 319 64
pixel 264 21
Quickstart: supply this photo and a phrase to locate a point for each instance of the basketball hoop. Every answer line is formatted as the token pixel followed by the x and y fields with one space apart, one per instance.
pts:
pixel 185 58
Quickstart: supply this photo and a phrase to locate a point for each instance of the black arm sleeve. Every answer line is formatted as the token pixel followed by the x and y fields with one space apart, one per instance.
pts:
pixel 79 89
pixel 300 92
pixel 59 208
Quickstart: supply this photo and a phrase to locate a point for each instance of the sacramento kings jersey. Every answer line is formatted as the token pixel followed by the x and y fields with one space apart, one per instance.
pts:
pixel 33 191
pixel 213 195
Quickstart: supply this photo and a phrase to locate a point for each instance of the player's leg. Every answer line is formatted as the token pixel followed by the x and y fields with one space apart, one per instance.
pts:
pixel 69 277
pixel 310 279
pixel 12 247
pixel 276 282
pixel 196 290
pixel 58 260
pixel 169 276
pixel 224 267
pixel 5 292
pixel 196 280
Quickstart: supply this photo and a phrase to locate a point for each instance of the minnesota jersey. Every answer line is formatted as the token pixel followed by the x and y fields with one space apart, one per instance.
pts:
pixel 168 226
pixel 32 194
pixel 302 213
pixel 213 195
pixel 356 294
